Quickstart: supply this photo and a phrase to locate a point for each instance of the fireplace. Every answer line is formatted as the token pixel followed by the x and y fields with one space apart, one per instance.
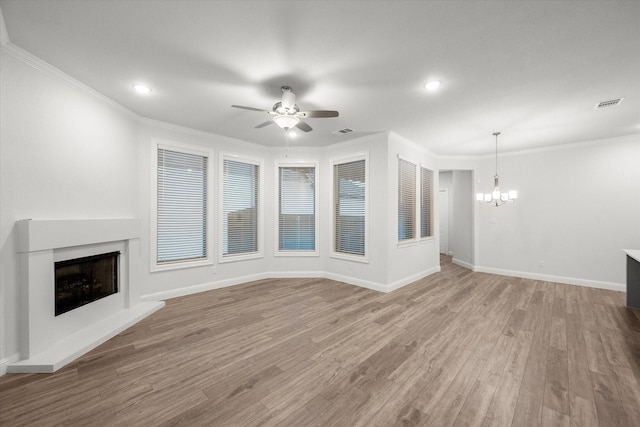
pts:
pixel 107 256
pixel 81 281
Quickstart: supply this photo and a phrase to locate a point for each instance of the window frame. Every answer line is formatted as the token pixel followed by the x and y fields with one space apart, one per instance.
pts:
pixel 159 144
pixel 416 207
pixel 432 212
pixel 293 164
pixel 338 161
pixel 259 253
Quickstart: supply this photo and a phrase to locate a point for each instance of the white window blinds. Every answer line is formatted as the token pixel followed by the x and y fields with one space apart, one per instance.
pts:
pixel 296 214
pixel 406 200
pixel 426 202
pixel 239 207
pixel 350 207
pixel 181 207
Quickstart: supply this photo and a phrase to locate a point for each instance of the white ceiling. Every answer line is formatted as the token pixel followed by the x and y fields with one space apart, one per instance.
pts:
pixel 533 70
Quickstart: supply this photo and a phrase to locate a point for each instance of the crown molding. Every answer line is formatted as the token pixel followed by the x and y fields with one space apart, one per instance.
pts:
pixel 550 148
pixel 34 62
pixel 4 34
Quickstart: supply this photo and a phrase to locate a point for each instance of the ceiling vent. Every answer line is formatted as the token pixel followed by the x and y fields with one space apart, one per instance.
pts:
pixel 610 103
pixel 342 131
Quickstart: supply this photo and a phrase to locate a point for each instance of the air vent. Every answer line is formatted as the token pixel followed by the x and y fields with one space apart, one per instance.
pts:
pixel 342 131
pixel 610 103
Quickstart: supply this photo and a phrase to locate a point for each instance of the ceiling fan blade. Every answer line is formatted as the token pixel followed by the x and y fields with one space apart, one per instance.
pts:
pixel 250 108
pixel 263 124
pixel 318 113
pixel 304 126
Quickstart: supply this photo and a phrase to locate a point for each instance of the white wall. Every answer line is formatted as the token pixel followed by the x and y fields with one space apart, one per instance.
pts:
pixel 164 284
pixel 65 153
pixel 461 212
pixel 459 184
pixel 446 183
pixel 578 206
pixel 408 262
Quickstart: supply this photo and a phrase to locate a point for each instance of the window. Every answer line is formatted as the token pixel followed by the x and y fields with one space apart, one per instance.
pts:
pixel 181 207
pixel 406 200
pixel 426 202
pixel 240 204
pixel 296 214
pixel 349 195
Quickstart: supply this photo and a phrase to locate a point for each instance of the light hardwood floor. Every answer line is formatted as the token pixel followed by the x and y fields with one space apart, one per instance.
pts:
pixel 456 348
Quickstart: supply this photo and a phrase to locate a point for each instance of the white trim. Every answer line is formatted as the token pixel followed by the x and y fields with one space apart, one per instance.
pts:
pixel 4 39
pixel 260 233
pixel 5 362
pixel 463 264
pixel 174 293
pixel 203 287
pixel 413 278
pixel 416 214
pixel 419 202
pixel 621 287
pixel 158 143
pixel 276 189
pixel 48 69
pixel 375 286
pixel 362 155
pixel 557 147
pixel 81 342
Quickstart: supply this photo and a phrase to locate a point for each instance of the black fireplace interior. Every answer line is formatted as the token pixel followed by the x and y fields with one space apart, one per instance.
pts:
pixel 83 280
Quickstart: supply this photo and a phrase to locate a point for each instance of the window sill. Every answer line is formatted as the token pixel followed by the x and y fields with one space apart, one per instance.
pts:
pixel 240 257
pixel 180 265
pixel 407 243
pixel 356 258
pixel 296 253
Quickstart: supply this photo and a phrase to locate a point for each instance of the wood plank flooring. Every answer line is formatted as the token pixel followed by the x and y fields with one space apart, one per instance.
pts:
pixel 456 348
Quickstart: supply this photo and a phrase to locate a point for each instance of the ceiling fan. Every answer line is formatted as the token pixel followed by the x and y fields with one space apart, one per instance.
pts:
pixel 287 115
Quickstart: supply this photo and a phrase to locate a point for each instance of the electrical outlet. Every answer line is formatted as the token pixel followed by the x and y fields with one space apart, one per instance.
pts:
pixel 541 264
pixel 214 270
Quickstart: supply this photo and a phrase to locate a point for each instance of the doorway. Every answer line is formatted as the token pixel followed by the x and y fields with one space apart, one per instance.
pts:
pixel 456 210
pixel 443 202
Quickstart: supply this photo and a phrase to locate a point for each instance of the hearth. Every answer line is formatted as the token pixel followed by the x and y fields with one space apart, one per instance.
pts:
pixel 81 281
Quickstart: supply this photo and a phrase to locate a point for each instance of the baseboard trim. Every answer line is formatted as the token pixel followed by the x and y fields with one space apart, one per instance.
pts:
pixel 4 363
pixel 83 341
pixel 203 287
pixel 620 287
pixel 375 286
pixel 408 280
pixel 463 264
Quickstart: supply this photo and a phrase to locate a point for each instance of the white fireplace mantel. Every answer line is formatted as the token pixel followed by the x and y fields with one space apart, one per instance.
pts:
pixel 48 342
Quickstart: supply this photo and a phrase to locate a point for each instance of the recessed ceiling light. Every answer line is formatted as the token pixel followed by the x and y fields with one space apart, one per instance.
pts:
pixel 433 84
pixel 142 88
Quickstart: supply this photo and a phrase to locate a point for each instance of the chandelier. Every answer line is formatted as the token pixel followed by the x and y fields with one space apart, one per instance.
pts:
pixel 497 197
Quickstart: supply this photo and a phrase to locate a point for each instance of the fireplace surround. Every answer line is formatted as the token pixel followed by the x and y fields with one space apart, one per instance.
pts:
pixel 48 341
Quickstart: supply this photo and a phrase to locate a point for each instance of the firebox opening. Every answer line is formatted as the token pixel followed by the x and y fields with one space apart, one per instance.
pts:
pixel 81 281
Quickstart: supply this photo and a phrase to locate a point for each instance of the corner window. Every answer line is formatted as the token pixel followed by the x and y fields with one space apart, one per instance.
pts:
pixel 426 202
pixel 406 200
pixel 181 208
pixel 296 215
pixel 350 207
pixel 240 208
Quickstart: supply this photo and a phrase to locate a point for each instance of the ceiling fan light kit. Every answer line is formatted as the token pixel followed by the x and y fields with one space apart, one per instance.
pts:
pixel 287 115
pixel 497 197
pixel 286 121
